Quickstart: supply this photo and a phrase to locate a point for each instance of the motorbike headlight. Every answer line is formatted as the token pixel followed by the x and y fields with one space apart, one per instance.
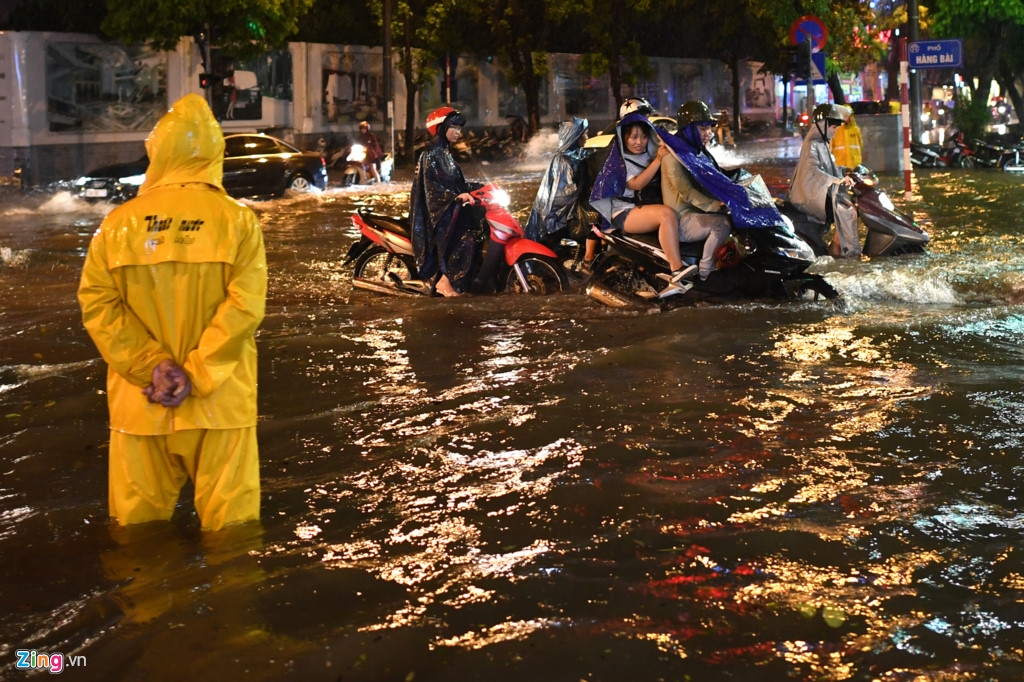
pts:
pixel 357 153
pixel 884 200
pixel 797 250
pixel 501 198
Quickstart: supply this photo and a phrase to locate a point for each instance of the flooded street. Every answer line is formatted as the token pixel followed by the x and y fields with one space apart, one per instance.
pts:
pixel 511 488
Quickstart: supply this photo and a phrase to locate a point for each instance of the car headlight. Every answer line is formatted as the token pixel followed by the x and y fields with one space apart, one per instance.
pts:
pixel 133 179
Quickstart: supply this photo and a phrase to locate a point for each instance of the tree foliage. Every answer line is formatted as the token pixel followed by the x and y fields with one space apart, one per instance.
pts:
pixel 989 29
pixel 83 16
pixel 243 27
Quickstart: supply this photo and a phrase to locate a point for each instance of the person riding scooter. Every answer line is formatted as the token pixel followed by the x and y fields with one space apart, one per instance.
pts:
pixel 443 226
pixel 701 217
pixel 819 184
pixel 556 210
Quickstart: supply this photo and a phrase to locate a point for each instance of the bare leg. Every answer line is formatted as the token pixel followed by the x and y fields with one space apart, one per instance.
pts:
pixel 445 288
pixel 663 219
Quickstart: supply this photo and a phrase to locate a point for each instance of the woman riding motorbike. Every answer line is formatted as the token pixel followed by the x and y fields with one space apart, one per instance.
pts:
pixel 819 184
pixel 443 225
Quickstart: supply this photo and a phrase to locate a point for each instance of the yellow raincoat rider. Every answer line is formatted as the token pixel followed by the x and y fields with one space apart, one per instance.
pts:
pixel 178 277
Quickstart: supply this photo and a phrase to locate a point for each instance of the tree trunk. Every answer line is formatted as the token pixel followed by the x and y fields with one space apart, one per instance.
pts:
pixel 1008 82
pixel 736 111
pixel 615 80
pixel 411 89
pixel 836 86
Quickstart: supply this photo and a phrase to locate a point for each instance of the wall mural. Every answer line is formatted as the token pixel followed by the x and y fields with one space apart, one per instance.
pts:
pixel 353 86
pixel 104 87
pixel 240 85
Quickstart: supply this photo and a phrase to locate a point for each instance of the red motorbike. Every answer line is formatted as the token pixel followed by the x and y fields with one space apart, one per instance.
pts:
pixel 384 260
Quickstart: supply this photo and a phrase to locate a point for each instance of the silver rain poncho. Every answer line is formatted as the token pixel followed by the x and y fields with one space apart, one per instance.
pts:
pixel 555 208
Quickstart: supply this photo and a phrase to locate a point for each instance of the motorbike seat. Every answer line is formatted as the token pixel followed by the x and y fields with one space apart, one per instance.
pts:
pixel 693 249
pixel 399 227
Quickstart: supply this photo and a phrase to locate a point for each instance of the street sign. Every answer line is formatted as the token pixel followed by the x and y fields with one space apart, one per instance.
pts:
pixel 809 27
pixel 817 70
pixel 935 54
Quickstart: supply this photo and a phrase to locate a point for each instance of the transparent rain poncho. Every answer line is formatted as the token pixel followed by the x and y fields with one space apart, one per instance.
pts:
pixel 557 202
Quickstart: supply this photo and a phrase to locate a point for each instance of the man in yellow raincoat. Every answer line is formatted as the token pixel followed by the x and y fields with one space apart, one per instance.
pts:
pixel 172 291
pixel 847 142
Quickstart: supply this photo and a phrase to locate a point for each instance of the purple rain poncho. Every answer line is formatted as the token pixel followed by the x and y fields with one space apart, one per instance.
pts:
pixel 747 207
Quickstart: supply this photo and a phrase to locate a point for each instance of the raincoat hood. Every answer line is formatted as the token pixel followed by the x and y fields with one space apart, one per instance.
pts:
pixel 747 206
pixel 187 145
pixel 570 132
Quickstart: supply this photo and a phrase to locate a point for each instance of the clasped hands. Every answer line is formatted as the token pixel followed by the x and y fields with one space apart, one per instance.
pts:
pixel 170 386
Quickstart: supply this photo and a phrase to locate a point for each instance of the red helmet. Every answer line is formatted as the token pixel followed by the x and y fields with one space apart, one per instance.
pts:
pixel 439 116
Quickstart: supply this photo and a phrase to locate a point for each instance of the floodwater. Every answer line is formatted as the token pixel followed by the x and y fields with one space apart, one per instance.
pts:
pixel 507 488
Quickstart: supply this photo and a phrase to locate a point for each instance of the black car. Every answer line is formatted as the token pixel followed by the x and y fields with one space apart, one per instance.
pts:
pixel 255 165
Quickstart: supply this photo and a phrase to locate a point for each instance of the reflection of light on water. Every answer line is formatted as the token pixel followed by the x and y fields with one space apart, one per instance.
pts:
pixel 502 632
pixel 1007 330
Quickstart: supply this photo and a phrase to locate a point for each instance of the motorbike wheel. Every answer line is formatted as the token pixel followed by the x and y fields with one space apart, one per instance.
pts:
pixel 812 288
pixel 378 265
pixel 964 161
pixel 543 276
pixel 614 278
pixel 351 176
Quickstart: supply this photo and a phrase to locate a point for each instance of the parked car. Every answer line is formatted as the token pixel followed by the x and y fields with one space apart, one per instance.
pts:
pixel 255 165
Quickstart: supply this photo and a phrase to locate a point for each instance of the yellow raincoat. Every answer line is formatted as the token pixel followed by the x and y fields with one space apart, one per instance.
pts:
pixel 847 143
pixel 180 272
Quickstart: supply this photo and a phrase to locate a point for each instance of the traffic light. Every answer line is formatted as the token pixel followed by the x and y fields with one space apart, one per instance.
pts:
pixel 803 58
pixel 205 80
pixel 798 59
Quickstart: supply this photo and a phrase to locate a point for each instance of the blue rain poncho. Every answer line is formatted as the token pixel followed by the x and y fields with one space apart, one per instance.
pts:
pixel 747 206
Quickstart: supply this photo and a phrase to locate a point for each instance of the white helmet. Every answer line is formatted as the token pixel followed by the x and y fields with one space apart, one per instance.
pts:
pixel 637 104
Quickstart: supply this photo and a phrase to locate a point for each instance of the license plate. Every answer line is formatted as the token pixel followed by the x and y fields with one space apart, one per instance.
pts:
pixel 95 193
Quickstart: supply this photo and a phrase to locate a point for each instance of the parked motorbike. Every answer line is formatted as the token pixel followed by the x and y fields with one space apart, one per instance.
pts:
pixel 1012 160
pixel 385 262
pixel 890 231
pixel 953 153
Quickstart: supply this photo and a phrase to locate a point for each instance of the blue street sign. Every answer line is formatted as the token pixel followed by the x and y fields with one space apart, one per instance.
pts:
pixel 935 54
pixel 818 70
